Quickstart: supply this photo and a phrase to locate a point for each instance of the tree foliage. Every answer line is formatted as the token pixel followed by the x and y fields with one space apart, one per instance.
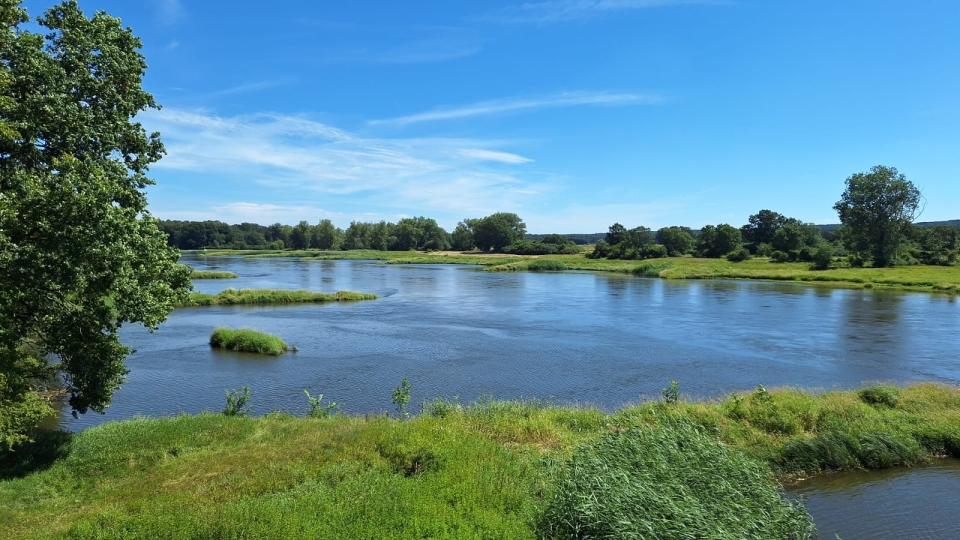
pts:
pixel 79 253
pixel 498 231
pixel 717 241
pixel 877 209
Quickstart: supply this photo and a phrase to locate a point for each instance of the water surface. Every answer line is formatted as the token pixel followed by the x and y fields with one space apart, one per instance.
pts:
pixel 570 337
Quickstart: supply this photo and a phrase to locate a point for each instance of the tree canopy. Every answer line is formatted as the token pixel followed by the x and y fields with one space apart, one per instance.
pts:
pixel 877 210
pixel 80 255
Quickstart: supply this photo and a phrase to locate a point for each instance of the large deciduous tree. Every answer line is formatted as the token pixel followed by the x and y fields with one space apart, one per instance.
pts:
pixel 79 253
pixel 877 209
pixel 498 231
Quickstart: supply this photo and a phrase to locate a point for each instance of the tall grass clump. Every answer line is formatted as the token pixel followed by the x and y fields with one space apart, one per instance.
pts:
pixel 668 481
pixel 247 340
pixel 546 265
pixel 649 269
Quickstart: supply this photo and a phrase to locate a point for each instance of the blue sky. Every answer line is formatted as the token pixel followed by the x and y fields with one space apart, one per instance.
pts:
pixel 572 113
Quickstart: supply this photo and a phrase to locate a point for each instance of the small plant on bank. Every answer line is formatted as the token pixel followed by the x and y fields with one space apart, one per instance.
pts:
pixel 318 410
pixel 671 394
pixel 237 402
pixel 401 397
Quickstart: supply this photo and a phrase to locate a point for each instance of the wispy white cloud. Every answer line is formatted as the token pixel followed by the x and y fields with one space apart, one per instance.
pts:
pixel 250 87
pixel 565 10
pixel 279 155
pixel 492 155
pixel 170 11
pixel 487 108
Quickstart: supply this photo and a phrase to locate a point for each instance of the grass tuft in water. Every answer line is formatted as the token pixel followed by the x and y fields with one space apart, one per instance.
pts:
pixel 272 296
pixel 247 340
pixel 211 274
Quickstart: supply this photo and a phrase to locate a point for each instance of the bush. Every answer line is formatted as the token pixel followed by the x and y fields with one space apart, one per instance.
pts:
pixel 652 251
pixel 823 257
pixel 600 250
pixel 738 255
pixel 247 340
pixel 779 257
pixel 669 481
pixel 527 247
pixel 763 250
pixel 237 402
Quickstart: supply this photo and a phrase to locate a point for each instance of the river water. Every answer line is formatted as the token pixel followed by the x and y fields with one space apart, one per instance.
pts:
pixel 571 337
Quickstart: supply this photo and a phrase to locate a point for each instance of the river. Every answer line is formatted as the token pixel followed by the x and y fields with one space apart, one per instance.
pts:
pixel 572 337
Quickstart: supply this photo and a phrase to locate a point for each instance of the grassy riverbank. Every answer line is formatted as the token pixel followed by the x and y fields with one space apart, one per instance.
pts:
pixel 493 469
pixel 231 297
pixel 913 278
pixel 943 279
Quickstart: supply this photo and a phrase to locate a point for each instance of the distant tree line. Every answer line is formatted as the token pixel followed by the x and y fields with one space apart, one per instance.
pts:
pixel 876 211
pixel 503 232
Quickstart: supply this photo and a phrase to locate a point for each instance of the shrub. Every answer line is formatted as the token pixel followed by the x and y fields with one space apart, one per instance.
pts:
pixel 669 481
pixel 317 410
pixel 779 257
pixel 823 257
pixel 652 251
pixel 763 250
pixel 247 340
pixel 600 250
pixel 237 402
pixel 527 247
pixel 738 255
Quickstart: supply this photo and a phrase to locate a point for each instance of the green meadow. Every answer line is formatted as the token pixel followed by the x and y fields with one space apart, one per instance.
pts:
pixel 667 468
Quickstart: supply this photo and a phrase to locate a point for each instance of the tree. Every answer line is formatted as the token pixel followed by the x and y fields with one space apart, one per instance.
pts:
pixel 615 234
pixel 718 241
pixel 80 255
pixel 499 230
pixel 877 209
pixel 462 236
pixel 677 240
pixel 326 236
pixel 762 226
pixel 300 236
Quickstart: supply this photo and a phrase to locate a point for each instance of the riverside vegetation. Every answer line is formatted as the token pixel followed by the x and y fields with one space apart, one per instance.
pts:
pixel 231 297
pixel 668 468
pixel 211 274
pixel 247 340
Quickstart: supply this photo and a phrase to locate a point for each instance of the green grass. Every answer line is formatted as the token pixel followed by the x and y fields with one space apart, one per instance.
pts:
pixel 211 274
pixel 247 340
pixel 231 297
pixel 484 470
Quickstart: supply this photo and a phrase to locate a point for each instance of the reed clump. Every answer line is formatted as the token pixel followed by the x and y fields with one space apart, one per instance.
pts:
pixel 231 297
pixel 247 340
pixel 669 480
